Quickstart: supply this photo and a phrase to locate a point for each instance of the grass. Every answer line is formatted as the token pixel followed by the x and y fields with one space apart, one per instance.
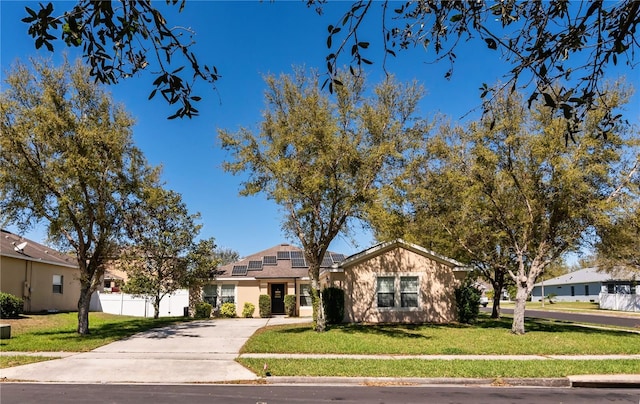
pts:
pixel 439 368
pixel 57 333
pixel 488 336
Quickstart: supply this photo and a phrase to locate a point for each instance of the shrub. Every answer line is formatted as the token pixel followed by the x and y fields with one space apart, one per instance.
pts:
pixel 203 310
pixel 290 305
pixel 228 310
pixel 468 302
pixel 264 303
pixel 333 305
pixel 248 310
pixel 10 305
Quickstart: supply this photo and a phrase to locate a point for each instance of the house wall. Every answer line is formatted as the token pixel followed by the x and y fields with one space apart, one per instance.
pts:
pixel 436 296
pixel 563 292
pixel 33 282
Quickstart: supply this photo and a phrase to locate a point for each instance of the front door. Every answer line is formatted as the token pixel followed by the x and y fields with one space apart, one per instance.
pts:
pixel 277 298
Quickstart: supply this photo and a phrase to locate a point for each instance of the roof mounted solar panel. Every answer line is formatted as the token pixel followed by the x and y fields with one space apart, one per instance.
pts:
pixel 298 263
pixel 337 258
pixel 326 261
pixel 283 255
pixel 297 254
pixel 239 270
pixel 269 260
pixel 255 266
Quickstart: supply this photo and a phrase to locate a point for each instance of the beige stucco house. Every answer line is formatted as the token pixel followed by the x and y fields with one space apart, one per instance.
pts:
pixel 45 279
pixel 398 282
pixel 390 282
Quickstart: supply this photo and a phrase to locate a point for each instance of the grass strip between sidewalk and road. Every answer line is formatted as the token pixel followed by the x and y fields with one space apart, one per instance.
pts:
pixel 338 367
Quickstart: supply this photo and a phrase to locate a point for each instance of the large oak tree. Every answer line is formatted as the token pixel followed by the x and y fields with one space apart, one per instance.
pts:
pixel 322 158
pixel 67 158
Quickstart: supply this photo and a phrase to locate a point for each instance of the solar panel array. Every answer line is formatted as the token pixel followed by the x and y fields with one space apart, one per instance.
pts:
pixel 326 261
pixel 337 258
pixel 297 254
pixel 269 260
pixel 283 255
pixel 298 263
pixel 239 270
pixel 255 266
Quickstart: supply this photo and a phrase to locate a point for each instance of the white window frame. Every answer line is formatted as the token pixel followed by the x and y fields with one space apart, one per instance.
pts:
pixel 223 298
pixel 211 298
pixel 397 291
pixel 58 284
pixel 307 295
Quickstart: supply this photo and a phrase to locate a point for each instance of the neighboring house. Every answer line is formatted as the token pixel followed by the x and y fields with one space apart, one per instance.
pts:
pixel 585 285
pixel 278 271
pixel 47 280
pixel 390 282
pixel 398 282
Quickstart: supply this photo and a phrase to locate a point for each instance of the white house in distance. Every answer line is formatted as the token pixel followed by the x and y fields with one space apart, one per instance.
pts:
pixel 591 285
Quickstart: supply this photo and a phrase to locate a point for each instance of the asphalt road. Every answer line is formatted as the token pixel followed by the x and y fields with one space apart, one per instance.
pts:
pixel 599 319
pixel 139 394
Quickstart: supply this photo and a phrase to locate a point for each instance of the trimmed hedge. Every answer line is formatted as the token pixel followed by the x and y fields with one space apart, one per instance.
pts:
pixel 228 310
pixel 10 306
pixel 468 302
pixel 290 305
pixel 264 303
pixel 248 310
pixel 203 310
pixel 333 299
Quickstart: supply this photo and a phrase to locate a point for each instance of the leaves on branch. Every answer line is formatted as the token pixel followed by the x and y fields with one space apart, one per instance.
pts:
pixel 116 39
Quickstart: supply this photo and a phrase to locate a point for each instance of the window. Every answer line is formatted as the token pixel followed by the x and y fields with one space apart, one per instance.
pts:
pixel 409 291
pixel 210 294
pixel 227 294
pixel 573 291
pixel 586 290
pixel 305 295
pixel 57 283
pixel 385 291
pixel 611 288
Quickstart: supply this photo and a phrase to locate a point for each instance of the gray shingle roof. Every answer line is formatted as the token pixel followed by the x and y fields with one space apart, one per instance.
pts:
pixel 32 251
pixel 586 275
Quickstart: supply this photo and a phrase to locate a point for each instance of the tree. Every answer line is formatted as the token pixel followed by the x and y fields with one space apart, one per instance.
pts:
pixel 543 42
pixel 618 242
pixel 512 195
pixel 122 38
pixel 162 235
pixel 67 158
pixel 322 160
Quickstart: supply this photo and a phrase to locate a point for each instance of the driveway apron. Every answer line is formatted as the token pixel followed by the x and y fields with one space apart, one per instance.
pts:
pixel 194 352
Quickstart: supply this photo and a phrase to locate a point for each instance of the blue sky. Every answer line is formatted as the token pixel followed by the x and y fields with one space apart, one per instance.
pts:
pixel 246 40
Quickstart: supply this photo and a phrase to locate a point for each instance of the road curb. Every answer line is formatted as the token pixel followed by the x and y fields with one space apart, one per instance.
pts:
pixel 413 381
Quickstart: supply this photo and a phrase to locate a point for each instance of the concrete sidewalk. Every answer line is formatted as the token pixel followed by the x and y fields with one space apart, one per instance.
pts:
pixel 205 352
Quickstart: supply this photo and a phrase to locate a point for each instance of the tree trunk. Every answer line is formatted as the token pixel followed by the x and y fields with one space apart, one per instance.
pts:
pixel 498 285
pixel 84 303
pixel 156 307
pixel 321 322
pixel 519 310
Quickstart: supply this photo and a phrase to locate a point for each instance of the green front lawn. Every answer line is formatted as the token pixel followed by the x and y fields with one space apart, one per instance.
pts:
pixel 488 336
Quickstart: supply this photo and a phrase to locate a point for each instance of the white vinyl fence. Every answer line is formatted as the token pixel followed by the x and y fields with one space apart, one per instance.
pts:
pixel 124 304
pixel 620 301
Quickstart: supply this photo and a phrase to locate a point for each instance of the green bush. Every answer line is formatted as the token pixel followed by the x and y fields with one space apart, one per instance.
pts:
pixel 228 310
pixel 203 310
pixel 10 305
pixel 468 302
pixel 264 303
pixel 290 305
pixel 333 305
pixel 248 310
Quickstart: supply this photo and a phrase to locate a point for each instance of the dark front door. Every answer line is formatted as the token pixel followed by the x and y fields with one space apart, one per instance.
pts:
pixel 277 298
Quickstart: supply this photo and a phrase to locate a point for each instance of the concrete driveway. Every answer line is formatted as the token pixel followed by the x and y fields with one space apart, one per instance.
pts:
pixel 194 352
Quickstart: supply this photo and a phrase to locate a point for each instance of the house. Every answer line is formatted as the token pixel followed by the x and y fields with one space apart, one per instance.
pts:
pixel 398 282
pixel 278 271
pixel 390 282
pixel 585 285
pixel 47 280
